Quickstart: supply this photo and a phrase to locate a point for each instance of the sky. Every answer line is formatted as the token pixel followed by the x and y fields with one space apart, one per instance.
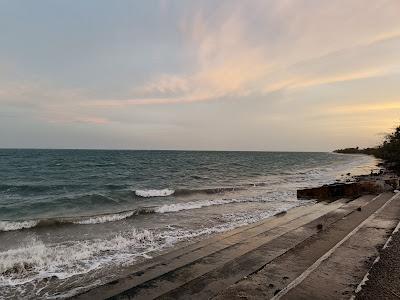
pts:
pixel 290 75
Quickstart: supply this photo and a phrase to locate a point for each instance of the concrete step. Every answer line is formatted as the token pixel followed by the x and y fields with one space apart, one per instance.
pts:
pixel 227 263
pixel 339 274
pixel 186 254
pixel 279 277
pixel 218 279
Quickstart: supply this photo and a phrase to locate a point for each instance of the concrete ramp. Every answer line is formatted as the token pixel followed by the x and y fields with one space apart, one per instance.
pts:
pixel 287 256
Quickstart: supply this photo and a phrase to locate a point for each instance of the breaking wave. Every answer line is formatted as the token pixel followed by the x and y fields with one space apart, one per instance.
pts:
pixel 198 204
pixel 10 225
pixel 112 217
pixel 39 260
pixel 154 193
pixel 36 260
pixel 84 220
pixel 187 192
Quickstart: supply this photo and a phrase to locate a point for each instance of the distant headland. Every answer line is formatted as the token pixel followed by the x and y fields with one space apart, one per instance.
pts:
pixel 389 150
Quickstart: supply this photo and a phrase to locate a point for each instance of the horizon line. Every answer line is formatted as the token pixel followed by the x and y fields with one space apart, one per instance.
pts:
pixel 172 150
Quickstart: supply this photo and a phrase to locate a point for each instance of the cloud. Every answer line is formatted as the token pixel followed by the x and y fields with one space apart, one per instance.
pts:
pixel 365 108
pixel 313 81
pixel 48 103
pixel 236 55
pixel 224 65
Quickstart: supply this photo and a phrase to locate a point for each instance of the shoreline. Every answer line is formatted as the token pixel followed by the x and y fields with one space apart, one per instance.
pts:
pixel 127 288
pixel 179 246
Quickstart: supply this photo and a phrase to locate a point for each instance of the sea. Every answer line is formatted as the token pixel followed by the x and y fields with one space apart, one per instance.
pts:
pixel 71 220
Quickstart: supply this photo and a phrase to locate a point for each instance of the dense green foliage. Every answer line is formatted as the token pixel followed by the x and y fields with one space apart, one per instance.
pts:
pixel 389 150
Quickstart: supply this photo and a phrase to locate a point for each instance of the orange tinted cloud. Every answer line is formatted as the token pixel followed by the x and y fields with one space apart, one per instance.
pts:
pixel 366 108
pixel 227 63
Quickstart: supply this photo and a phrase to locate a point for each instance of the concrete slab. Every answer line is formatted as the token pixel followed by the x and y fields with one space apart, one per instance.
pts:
pixel 201 279
pixel 283 270
pixel 338 276
pixel 186 254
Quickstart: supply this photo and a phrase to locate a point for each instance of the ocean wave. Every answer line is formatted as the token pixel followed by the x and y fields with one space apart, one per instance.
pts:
pixel 36 259
pixel 209 191
pixel 154 193
pixel 81 220
pixel 104 218
pixel 10 225
pixel 23 189
pixel 174 207
pixel 187 192
pixel 200 177
pixel 118 216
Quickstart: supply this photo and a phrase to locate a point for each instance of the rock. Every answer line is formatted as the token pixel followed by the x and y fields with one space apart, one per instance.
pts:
pixel 281 213
pixel 344 190
pixel 393 182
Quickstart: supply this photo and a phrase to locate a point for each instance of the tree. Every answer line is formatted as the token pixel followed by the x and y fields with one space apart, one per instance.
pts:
pixel 390 149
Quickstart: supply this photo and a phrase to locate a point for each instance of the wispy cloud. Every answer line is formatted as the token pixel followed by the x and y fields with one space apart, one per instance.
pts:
pixel 366 107
pixel 233 59
pixel 53 105
pixel 295 64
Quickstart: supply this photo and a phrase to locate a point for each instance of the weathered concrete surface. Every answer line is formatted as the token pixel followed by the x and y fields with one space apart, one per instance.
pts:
pixel 178 258
pixel 276 275
pixel 384 278
pixel 339 275
pixel 157 280
pixel 257 261
pixel 220 279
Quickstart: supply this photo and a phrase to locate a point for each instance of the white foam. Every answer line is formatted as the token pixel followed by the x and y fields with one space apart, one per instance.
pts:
pixel 154 193
pixel 229 222
pixel 17 225
pixel 197 204
pixel 36 260
pixel 105 218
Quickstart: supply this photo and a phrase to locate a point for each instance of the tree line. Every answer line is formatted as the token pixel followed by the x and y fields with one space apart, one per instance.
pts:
pixel 389 150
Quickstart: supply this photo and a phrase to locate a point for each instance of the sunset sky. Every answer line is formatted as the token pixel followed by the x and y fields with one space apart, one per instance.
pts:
pixel 301 75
